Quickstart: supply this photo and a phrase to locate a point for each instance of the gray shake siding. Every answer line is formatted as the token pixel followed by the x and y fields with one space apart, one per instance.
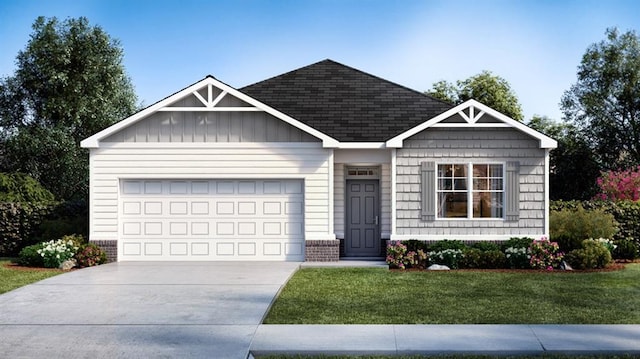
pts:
pixel 450 145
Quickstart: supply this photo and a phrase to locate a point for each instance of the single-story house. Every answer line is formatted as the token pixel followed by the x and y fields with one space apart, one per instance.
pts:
pixel 320 162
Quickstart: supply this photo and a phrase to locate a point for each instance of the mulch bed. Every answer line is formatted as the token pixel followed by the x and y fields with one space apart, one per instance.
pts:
pixel 16 266
pixel 611 268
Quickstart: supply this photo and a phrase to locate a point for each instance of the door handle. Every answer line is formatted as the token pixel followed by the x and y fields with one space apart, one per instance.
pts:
pixel 376 220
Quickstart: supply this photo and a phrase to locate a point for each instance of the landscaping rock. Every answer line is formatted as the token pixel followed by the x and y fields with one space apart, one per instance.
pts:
pixel 68 264
pixel 565 266
pixel 438 267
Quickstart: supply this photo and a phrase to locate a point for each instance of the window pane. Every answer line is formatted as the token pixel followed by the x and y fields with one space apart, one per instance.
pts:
pixel 452 205
pixel 444 170
pixel 480 184
pixel 495 170
pixel 480 171
pixel 460 170
pixel 487 204
pixel 460 184
pixel 496 184
pixel 445 184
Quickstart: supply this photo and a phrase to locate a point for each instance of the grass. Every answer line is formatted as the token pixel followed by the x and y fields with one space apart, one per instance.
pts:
pixel 544 356
pixel 378 296
pixel 12 278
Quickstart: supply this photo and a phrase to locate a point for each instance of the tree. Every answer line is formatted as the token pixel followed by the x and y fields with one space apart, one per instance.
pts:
pixel 491 90
pixel 604 103
pixel 69 83
pixel 573 168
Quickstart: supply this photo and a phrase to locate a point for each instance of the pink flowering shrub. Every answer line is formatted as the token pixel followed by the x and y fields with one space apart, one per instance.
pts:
pixel 620 185
pixel 545 254
pixel 90 255
pixel 395 254
pixel 399 257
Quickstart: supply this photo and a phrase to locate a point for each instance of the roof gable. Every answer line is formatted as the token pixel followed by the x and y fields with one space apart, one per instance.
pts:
pixel 208 94
pixel 473 114
pixel 345 103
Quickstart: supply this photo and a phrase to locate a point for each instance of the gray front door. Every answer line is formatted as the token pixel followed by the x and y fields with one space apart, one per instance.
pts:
pixel 363 211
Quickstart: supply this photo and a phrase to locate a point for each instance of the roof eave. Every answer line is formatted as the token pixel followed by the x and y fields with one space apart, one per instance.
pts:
pixel 545 141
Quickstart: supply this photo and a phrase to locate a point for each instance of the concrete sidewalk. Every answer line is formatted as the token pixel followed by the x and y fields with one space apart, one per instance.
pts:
pixel 446 339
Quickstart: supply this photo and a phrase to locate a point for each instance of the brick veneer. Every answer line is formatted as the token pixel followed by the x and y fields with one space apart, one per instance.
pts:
pixel 110 247
pixel 322 251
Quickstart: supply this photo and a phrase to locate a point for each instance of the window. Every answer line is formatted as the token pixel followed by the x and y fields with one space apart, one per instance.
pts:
pixel 457 199
pixel 362 172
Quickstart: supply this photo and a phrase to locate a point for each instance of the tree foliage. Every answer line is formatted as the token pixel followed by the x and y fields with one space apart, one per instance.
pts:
pixel 573 167
pixel 492 90
pixel 69 83
pixel 604 103
pixel 18 187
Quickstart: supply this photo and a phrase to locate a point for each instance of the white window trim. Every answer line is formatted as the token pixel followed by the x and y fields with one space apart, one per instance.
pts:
pixel 470 190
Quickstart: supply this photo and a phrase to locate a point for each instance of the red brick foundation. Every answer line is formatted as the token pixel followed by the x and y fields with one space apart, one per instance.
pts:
pixel 110 247
pixel 322 251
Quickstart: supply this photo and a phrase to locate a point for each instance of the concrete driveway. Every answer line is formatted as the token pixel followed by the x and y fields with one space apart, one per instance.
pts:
pixel 142 309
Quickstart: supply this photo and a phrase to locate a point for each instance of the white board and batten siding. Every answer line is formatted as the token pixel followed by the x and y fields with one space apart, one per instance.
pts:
pixel 229 152
pixel 455 145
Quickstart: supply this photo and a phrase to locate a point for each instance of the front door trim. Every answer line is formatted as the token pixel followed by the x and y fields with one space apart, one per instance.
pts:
pixel 362 224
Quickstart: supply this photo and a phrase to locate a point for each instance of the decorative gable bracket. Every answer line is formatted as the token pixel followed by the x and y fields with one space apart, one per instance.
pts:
pixel 210 95
pixel 469 115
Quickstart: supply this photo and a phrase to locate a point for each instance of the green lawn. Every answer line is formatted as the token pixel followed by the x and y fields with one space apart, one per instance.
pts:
pixel 11 279
pixel 378 296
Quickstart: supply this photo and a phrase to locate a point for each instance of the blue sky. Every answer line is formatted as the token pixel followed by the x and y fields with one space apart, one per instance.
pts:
pixel 536 45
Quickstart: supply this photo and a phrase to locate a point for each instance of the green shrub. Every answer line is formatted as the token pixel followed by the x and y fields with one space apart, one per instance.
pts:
pixel 626 214
pixel 29 256
pixel 89 255
pixel 56 228
pixel 18 187
pixel 19 224
pixel 494 259
pixel 570 227
pixel 517 242
pixel 55 252
pixel 518 257
pixel 477 258
pixel 472 258
pixel 70 217
pixel 592 255
pixel 77 239
pixel 414 245
pixel 446 244
pixel 447 257
pixel 625 249
pixel 486 246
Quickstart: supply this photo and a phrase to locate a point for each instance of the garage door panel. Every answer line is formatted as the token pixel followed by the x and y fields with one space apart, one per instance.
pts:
pixel 209 220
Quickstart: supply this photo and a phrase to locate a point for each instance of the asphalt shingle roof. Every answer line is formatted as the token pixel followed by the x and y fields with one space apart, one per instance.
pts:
pixel 345 103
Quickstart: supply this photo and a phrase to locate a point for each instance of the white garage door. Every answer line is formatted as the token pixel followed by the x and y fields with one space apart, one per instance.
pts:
pixel 211 220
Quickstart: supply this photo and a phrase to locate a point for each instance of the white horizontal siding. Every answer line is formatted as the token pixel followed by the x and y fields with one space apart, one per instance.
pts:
pixel 112 163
